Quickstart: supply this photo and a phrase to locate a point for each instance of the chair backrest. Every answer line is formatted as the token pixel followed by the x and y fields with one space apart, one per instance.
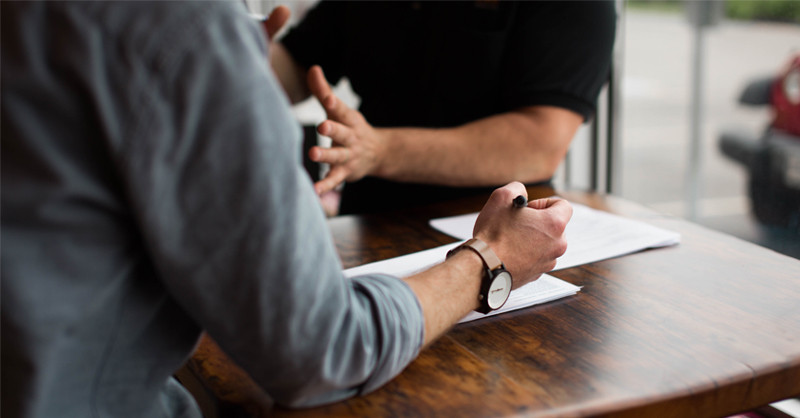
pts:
pixel 594 159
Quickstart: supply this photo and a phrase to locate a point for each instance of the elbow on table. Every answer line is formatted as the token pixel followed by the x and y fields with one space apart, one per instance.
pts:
pixel 353 348
pixel 301 397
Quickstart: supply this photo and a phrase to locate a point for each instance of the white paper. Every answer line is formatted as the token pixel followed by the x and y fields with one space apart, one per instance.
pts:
pixel 592 235
pixel 545 289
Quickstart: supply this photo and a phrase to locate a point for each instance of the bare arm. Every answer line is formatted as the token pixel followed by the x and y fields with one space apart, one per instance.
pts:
pixel 447 292
pixel 526 144
pixel 290 74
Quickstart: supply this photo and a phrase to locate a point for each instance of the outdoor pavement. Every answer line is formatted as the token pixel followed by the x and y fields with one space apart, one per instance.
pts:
pixel 656 97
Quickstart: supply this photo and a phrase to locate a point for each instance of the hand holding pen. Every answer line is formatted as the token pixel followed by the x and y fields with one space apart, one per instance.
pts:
pixel 527 241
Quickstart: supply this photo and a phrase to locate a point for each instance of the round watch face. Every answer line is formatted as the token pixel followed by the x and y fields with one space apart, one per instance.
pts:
pixel 499 290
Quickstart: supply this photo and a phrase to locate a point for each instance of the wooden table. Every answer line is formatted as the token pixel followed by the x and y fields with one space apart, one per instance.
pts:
pixel 710 327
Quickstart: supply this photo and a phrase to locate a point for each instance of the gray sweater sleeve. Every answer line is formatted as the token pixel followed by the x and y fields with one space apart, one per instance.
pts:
pixel 213 173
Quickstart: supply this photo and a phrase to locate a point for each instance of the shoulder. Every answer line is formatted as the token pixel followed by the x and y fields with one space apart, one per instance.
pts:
pixel 573 27
pixel 163 31
pixel 569 14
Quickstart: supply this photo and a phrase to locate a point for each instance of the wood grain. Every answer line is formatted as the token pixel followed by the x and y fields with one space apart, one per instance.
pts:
pixel 710 327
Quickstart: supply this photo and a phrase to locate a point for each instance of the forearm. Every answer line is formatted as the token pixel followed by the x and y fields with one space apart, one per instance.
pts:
pixel 525 145
pixel 447 292
pixel 290 74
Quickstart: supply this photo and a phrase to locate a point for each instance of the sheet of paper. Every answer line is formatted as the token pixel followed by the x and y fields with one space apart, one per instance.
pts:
pixel 545 289
pixel 592 235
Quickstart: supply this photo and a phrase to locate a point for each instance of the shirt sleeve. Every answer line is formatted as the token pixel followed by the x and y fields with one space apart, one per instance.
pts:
pixel 235 230
pixel 559 54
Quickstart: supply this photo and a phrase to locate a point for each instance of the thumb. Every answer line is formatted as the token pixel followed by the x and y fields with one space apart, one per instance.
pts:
pixel 276 20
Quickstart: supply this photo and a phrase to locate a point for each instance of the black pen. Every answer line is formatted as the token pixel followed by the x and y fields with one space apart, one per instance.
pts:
pixel 520 201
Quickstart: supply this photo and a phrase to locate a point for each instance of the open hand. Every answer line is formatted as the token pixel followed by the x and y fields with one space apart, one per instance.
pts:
pixel 357 146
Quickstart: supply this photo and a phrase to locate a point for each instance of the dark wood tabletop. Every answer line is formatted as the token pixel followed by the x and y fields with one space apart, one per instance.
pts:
pixel 709 327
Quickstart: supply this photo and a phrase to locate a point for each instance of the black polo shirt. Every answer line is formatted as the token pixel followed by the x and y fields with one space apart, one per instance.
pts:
pixel 443 64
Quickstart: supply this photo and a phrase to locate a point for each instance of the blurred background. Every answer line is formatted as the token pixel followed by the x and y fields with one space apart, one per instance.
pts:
pixel 746 41
pixel 680 73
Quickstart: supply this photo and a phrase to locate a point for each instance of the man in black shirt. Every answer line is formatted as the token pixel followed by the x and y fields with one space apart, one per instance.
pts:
pixel 455 96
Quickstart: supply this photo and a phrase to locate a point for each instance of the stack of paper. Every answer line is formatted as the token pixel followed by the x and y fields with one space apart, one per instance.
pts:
pixel 545 289
pixel 592 235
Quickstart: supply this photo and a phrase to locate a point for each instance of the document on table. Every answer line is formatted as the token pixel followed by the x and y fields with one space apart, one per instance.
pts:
pixel 592 235
pixel 545 289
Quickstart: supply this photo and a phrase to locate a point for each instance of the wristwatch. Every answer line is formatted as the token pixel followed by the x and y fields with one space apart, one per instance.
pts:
pixel 496 283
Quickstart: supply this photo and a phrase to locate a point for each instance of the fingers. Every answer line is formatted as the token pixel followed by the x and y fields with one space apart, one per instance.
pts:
pixel 276 20
pixel 505 195
pixel 338 132
pixel 554 220
pixel 334 108
pixel 341 135
pixel 318 85
pixel 333 155
pixel 335 177
pixel 544 203
pixel 560 209
pixel 516 188
pixel 330 202
pixel 557 213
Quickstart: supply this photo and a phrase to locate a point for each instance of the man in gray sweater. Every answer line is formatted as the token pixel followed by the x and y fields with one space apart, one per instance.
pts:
pixel 152 188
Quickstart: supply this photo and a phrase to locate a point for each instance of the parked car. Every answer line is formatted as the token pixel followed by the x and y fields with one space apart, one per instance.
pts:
pixel 773 159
